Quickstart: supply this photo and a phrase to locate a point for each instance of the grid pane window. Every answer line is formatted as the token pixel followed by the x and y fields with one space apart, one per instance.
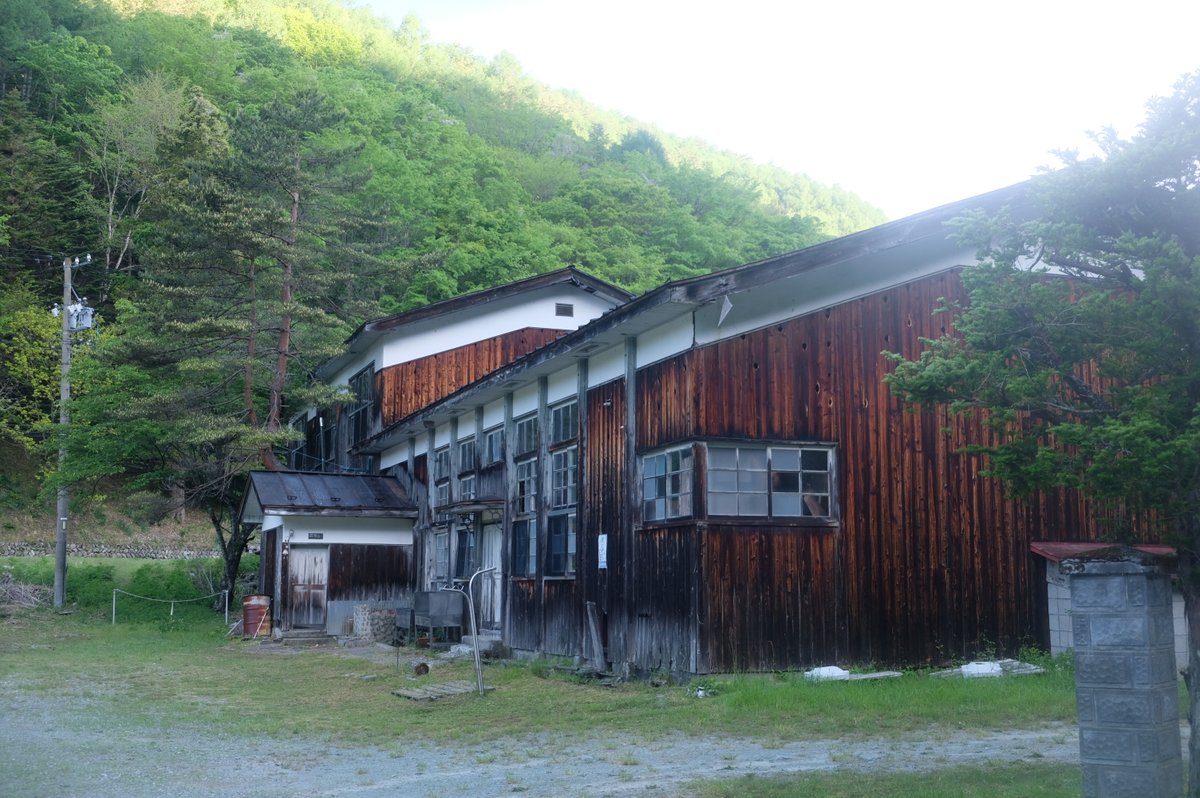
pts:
pixel 527 486
pixel 493 446
pixel 564 422
pixel 526 435
pixel 775 481
pixel 564 474
pixel 466 454
pixel 362 385
pixel 441 463
pixel 667 485
pixel 525 547
pixel 466 487
pixel 562 545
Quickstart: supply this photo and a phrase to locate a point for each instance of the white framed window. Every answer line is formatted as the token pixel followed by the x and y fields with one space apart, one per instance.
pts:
pixel 525 433
pixel 493 446
pixel 358 415
pixel 466 454
pixel 441 463
pixel 564 422
pixel 466 487
pixel 771 481
pixel 561 531
pixel 564 475
pixel 525 547
pixel 667 484
pixel 526 487
pixel 441 557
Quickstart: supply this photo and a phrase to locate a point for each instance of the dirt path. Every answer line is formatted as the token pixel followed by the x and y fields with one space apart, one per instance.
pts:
pixel 67 747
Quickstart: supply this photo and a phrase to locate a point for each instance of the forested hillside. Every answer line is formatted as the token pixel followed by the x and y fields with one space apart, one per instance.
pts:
pixel 255 177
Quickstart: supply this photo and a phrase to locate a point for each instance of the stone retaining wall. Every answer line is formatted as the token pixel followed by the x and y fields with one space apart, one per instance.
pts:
pixel 130 552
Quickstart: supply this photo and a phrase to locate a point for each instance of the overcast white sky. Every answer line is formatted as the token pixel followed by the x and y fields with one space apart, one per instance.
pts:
pixel 909 104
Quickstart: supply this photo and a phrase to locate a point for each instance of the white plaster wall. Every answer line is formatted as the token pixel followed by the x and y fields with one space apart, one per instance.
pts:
pixel 374 354
pixel 525 400
pixel 606 366
pixel 466 425
pixel 493 414
pixel 376 531
pixel 535 309
pixel 665 340
pixel 562 384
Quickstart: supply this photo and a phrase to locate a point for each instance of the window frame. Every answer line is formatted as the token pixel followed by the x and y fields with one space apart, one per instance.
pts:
pixel 687 478
pixel 358 412
pixel 493 446
pixel 564 422
pixel 744 482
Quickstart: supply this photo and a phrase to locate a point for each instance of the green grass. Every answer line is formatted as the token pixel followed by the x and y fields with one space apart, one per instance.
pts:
pixel 183 667
pixel 985 781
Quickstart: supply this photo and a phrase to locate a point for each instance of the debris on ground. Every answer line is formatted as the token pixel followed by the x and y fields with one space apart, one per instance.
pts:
pixel 21 595
pixel 832 673
pixel 990 669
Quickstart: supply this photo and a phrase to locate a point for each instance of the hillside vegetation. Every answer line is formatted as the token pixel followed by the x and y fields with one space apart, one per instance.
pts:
pixel 254 178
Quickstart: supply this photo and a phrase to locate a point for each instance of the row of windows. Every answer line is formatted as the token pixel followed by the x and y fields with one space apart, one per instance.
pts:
pixel 745 481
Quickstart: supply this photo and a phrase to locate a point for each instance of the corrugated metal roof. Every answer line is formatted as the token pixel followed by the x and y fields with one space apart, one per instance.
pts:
pixel 1057 551
pixel 297 493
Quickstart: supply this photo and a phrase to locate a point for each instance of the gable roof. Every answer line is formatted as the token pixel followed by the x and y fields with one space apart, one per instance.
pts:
pixel 925 231
pixel 298 493
pixel 371 331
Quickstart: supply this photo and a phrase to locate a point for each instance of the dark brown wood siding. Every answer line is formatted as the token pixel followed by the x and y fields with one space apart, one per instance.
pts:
pixel 601 510
pixel 930 560
pixel 370 573
pixel 408 387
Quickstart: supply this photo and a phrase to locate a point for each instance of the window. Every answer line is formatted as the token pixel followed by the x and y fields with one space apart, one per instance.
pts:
pixel 526 487
pixel 441 494
pixel 466 487
pixel 441 463
pixel 564 422
pixel 774 481
pixel 493 446
pixel 526 434
pixel 465 558
pixel 560 526
pixel 562 545
pixel 441 557
pixel 525 547
pixel 667 485
pixel 563 476
pixel 362 385
pixel 466 454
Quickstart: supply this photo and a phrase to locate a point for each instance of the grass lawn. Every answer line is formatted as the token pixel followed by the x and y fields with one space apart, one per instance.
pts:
pixel 991 781
pixel 185 666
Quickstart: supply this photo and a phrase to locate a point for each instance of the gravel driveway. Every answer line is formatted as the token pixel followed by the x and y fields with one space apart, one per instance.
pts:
pixel 64 747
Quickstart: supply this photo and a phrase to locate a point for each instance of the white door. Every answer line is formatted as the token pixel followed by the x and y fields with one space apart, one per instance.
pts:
pixel 491 593
pixel 308 575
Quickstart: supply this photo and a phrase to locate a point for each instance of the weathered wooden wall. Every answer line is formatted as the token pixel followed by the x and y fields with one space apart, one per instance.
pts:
pixel 405 388
pixel 601 507
pixel 362 572
pixel 929 560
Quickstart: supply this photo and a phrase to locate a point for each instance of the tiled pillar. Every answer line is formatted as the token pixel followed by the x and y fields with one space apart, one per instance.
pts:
pixel 1125 677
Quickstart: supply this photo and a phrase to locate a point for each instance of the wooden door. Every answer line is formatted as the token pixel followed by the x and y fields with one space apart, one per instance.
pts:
pixel 490 591
pixel 308 577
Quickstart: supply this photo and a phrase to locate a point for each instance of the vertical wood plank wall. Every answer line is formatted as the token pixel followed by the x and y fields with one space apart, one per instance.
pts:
pixel 929 560
pixel 406 388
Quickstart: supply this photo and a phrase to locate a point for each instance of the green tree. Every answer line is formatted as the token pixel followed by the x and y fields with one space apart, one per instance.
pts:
pixel 1081 340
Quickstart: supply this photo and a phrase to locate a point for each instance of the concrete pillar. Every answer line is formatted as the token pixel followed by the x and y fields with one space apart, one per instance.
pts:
pixel 1125 675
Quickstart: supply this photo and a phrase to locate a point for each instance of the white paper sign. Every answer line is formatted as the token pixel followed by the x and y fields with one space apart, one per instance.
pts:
pixel 602 551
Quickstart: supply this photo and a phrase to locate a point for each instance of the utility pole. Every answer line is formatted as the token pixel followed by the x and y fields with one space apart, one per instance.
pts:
pixel 75 316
